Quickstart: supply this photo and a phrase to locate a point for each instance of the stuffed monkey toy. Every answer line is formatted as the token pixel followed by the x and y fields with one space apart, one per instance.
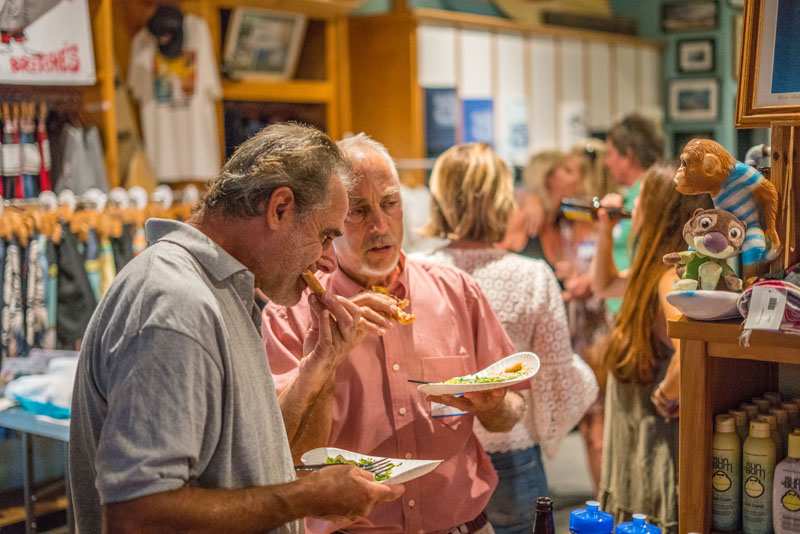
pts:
pixel 706 167
pixel 713 236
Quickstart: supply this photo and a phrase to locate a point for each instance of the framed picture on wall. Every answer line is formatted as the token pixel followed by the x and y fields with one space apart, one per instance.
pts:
pixel 680 138
pixel 769 85
pixel 694 99
pixel 695 56
pixel 689 15
pixel 263 44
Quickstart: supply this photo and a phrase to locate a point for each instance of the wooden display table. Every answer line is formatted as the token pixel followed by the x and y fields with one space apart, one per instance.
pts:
pixel 717 374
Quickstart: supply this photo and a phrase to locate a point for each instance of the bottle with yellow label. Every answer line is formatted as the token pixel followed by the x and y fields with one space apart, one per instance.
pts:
pixel 775 434
pixel 786 490
pixel 759 467
pixel 726 476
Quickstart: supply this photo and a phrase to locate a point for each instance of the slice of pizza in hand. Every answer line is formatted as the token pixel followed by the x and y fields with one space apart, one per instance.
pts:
pixel 398 314
pixel 313 284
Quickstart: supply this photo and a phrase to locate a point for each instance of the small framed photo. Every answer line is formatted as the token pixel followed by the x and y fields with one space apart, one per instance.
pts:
pixel 696 56
pixel 689 15
pixel 694 99
pixel 263 44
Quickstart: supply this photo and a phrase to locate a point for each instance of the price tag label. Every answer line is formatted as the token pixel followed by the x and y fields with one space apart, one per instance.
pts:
pixel 766 309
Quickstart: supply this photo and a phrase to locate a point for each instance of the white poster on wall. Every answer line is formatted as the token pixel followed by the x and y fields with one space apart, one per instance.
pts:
pixel 572 124
pixel 46 42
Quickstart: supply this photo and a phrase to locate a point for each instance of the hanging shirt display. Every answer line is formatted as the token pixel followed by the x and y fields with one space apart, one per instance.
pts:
pixel 177 103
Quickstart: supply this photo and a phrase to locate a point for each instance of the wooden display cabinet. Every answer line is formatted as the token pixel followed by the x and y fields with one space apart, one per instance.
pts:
pixel 717 374
pixel 322 76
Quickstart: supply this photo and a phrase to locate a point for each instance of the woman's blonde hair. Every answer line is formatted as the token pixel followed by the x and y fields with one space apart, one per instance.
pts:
pixel 472 195
pixel 596 182
pixel 538 170
pixel 631 352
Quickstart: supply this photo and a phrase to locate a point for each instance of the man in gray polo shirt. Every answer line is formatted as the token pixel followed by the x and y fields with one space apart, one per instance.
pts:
pixel 175 422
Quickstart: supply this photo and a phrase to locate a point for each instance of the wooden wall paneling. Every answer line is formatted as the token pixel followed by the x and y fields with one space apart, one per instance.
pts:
pixel 784 175
pixel 383 59
pixel 599 86
pixel 542 72
pixel 573 101
pixel 694 385
pixel 625 80
pixel 342 75
pixel 100 97
pixel 511 107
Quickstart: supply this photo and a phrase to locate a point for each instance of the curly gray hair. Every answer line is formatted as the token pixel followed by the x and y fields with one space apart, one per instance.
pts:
pixel 290 155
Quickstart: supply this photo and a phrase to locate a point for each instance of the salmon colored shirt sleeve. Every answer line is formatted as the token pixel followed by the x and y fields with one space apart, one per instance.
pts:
pixel 378 412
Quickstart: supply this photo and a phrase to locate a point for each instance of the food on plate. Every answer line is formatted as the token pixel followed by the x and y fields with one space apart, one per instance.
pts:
pixel 385 472
pixel 399 315
pixel 510 373
pixel 312 283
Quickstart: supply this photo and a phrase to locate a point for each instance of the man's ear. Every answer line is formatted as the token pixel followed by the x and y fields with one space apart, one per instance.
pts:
pixel 712 166
pixel 280 207
pixel 697 211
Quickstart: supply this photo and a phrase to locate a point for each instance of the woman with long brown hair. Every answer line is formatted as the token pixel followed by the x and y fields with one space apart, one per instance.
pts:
pixel 639 472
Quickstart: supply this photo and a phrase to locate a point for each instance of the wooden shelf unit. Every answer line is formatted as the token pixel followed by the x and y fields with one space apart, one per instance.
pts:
pixel 323 70
pixel 717 374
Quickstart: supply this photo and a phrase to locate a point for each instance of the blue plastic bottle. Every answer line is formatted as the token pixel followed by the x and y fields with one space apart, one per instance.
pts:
pixel 639 525
pixel 590 520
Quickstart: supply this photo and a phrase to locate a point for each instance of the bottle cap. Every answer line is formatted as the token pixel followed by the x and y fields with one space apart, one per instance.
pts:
pixel 794 444
pixel 763 405
pixel 544 504
pixel 781 415
pixel 770 419
pixel 773 397
pixel 790 407
pixel 750 408
pixel 725 423
pixel 740 416
pixel 759 429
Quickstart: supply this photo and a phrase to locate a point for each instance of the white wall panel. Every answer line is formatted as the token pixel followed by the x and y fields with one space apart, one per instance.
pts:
pixel 436 56
pixel 475 69
pixel 543 99
pixel 599 86
pixel 626 86
pixel 511 111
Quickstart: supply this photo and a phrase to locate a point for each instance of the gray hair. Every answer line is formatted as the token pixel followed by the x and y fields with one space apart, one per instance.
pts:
pixel 638 136
pixel 361 142
pixel 290 155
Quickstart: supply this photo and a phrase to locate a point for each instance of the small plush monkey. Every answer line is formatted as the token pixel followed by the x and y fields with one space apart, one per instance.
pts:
pixel 706 167
pixel 713 236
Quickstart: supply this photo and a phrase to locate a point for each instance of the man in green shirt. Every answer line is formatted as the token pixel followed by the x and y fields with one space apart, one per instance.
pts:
pixel 633 144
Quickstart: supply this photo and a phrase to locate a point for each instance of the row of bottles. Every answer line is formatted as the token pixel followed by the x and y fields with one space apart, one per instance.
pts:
pixel 592 520
pixel 750 493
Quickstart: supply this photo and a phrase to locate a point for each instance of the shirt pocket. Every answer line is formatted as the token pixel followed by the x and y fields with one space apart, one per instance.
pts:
pixel 439 369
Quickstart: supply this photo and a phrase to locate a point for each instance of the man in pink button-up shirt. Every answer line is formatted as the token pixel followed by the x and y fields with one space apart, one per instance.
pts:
pixel 372 408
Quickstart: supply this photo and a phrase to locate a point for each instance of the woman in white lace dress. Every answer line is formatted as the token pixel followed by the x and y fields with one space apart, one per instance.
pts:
pixel 472 201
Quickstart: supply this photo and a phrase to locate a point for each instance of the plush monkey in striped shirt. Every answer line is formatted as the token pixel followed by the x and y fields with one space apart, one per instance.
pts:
pixel 706 167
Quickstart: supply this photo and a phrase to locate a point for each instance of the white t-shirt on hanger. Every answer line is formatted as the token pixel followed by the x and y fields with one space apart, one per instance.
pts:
pixel 177 103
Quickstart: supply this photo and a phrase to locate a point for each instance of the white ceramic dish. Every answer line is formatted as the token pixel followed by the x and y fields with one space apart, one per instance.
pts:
pixel 528 359
pixel 404 470
pixel 706 305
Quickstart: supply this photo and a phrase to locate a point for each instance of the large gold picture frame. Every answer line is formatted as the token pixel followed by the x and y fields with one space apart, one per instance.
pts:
pixel 758 105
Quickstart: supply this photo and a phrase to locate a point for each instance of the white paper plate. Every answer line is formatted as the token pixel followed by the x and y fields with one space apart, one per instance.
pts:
pixel 705 305
pixel 528 359
pixel 404 470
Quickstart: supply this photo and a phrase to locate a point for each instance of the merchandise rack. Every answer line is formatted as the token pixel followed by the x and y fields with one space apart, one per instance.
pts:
pixel 717 374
